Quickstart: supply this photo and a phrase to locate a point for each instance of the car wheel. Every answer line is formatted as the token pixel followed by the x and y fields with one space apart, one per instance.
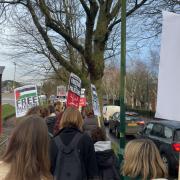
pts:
pixel 165 161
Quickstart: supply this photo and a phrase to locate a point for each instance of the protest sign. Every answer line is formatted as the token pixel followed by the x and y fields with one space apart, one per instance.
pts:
pixel 25 98
pixel 82 102
pixel 168 96
pixel 74 91
pixel 95 101
pixel 61 91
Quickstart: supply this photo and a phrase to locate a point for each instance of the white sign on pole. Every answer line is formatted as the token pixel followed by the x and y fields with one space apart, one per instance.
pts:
pixel 74 91
pixel 75 84
pixel 25 98
pixel 61 90
pixel 95 101
pixel 168 97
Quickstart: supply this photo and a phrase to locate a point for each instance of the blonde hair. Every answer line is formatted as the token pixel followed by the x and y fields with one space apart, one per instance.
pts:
pixel 142 159
pixel 71 118
pixel 59 107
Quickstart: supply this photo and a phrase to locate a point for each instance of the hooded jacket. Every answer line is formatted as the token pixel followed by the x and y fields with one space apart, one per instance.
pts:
pixel 106 160
pixel 50 121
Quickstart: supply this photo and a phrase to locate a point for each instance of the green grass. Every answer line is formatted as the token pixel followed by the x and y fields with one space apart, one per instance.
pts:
pixel 7 111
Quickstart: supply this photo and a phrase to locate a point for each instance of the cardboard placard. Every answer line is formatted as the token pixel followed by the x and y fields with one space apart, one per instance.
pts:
pixel 25 98
pixel 74 91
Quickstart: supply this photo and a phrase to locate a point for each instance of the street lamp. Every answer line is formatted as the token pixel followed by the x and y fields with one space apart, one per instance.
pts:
pixel 14 75
pixel 1 71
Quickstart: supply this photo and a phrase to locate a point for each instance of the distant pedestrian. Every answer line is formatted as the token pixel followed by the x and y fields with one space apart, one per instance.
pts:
pixel 106 159
pixel 142 161
pixel 57 124
pixel 45 112
pixel 58 107
pixel 72 152
pixel 35 110
pixel 51 119
pixel 27 157
pixel 59 112
pixel 90 121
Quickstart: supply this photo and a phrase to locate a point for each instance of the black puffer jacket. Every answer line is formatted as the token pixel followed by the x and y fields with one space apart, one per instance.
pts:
pixel 107 161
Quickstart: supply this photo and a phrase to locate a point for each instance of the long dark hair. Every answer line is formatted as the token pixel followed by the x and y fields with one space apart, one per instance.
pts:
pixel 27 151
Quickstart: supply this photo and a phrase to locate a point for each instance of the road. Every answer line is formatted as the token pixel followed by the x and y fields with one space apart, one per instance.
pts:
pixel 8 98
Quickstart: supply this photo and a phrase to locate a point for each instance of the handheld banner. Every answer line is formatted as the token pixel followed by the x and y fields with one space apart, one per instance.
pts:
pixel 168 98
pixel 95 101
pixel 61 91
pixel 74 91
pixel 82 102
pixel 25 98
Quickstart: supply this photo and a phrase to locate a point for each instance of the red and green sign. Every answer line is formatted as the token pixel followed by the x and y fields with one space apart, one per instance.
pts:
pixel 25 98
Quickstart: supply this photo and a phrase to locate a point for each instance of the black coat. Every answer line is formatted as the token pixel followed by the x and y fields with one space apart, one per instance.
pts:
pixel 50 121
pixel 87 153
pixel 108 165
pixel 90 123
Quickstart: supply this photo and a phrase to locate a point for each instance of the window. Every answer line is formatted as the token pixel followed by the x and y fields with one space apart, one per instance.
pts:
pixel 157 130
pixel 148 128
pixel 117 115
pixel 168 132
pixel 177 135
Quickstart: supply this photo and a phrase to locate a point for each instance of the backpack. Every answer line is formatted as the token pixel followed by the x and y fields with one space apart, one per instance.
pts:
pixel 68 163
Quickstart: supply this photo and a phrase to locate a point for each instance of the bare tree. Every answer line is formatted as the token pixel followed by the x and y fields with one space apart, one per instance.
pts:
pixel 81 27
pixel 110 83
pixel 141 83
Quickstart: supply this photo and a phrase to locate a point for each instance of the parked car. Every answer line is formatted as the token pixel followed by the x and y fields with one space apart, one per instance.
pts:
pixel 133 123
pixel 166 135
pixel 109 111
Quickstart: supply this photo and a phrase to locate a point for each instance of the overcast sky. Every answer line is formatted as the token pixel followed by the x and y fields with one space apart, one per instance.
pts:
pixel 22 73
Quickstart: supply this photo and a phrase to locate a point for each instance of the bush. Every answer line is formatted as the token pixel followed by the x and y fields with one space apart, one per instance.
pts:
pixel 7 111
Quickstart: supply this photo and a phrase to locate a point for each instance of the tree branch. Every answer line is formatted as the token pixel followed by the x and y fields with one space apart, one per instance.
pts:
pixel 137 6
pixel 115 10
pixel 58 27
pixel 48 42
pixel 86 8
pixel 89 31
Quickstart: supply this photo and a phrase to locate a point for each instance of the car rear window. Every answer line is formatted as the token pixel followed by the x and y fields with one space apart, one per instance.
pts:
pixel 157 130
pixel 131 118
pixel 177 135
pixel 117 115
pixel 168 133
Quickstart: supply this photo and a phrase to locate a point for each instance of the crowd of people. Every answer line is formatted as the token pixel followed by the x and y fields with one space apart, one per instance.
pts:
pixel 66 144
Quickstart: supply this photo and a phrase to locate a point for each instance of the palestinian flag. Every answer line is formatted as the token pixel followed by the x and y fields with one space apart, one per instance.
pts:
pixel 25 92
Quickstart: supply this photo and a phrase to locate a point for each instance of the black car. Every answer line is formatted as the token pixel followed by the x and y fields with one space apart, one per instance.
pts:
pixel 166 135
